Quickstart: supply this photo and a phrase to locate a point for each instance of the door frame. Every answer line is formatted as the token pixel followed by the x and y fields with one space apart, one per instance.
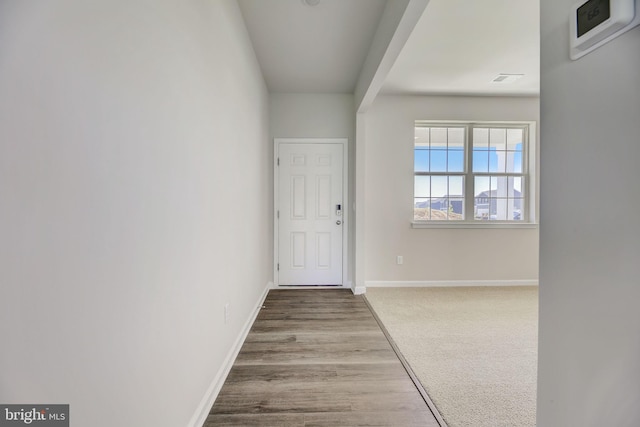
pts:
pixel 345 201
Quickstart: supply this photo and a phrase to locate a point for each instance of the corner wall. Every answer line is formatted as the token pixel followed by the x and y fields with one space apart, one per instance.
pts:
pixel 134 171
pixel 434 254
pixel 589 340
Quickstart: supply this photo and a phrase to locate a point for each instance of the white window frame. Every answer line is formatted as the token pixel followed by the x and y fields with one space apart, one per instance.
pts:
pixel 529 173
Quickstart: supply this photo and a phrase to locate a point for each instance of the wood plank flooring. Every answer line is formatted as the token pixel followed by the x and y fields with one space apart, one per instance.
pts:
pixel 317 357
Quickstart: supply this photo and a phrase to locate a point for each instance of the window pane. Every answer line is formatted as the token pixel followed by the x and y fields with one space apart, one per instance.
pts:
pixel 456 138
pixel 481 138
pixel 498 139
pixel 456 186
pixel 514 137
pixel 515 187
pixel 480 161
pixel 514 161
pixel 481 208
pixel 439 186
pixel 455 161
pixel 481 185
pixel 456 208
pixel 420 209
pixel 499 186
pixel 497 161
pixel 421 186
pixel 421 160
pixel 439 138
pixel 422 137
pixel 438 161
pixel 514 210
pixel 500 212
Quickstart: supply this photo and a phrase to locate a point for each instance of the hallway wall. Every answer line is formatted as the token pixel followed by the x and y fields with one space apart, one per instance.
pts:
pixel 589 341
pixel 134 170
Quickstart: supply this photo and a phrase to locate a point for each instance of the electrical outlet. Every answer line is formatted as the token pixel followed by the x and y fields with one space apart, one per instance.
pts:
pixel 399 259
pixel 226 313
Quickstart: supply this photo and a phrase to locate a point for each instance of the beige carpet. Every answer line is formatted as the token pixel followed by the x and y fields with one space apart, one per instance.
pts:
pixel 473 349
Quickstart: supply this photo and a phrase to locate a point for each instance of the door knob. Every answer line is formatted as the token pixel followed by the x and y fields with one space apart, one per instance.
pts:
pixel 338 222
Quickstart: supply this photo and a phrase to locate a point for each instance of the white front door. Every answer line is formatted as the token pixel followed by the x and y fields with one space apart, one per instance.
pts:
pixel 309 214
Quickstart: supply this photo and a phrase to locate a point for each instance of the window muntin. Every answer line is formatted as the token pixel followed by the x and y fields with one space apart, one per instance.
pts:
pixel 492 188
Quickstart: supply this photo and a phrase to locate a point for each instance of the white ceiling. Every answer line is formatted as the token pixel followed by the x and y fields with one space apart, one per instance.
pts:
pixel 315 49
pixel 460 46
pixel 457 46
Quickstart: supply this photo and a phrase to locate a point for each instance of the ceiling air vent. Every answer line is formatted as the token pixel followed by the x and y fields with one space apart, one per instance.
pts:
pixel 506 78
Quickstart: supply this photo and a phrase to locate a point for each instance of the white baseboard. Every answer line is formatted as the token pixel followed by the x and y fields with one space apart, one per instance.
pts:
pixel 359 290
pixel 202 411
pixel 447 283
pixel 311 287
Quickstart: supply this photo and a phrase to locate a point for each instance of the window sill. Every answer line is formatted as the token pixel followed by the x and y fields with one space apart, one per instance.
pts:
pixel 465 224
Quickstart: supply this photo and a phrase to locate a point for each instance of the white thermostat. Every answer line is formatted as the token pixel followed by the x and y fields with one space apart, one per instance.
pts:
pixel 596 22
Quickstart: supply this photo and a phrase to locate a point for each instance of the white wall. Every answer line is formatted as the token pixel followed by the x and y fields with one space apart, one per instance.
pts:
pixel 433 254
pixel 313 115
pixel 589 351
pixel 134 162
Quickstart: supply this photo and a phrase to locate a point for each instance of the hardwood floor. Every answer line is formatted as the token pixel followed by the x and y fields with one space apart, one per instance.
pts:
pixel 317 357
